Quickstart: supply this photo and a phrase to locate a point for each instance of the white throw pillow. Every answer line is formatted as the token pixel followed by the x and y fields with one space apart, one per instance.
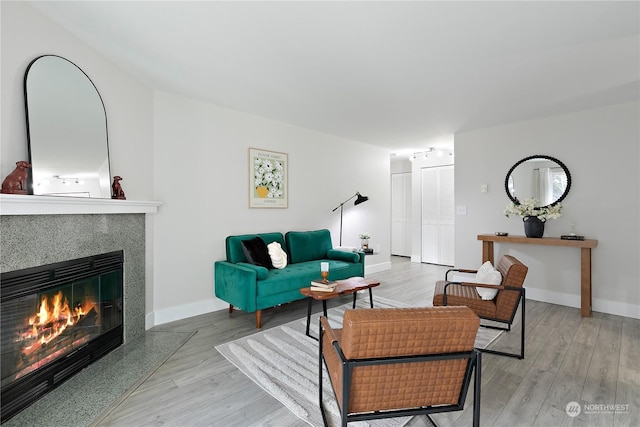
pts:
pixel 278 255
pixel 490 276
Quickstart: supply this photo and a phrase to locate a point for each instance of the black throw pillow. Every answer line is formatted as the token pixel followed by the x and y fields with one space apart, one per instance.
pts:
pixel 256 252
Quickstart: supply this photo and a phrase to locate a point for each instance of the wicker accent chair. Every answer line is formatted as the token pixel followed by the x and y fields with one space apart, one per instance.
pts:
pixel 387 363
pixel 502 308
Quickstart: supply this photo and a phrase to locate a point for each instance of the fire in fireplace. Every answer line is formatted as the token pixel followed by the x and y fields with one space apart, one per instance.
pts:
pixel 56 320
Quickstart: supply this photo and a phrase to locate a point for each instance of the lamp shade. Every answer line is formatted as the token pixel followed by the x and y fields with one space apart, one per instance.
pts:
pixel 360 199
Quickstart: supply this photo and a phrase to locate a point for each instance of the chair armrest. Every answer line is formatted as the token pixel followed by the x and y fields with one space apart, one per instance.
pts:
pixel 486 285
pixel 479 285
pixel 328 330
pixel 328 340
pixel 470 285
pixel 514 288
pixel 458 270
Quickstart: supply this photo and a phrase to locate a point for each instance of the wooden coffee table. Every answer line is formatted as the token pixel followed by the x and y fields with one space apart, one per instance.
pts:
pixel 344 287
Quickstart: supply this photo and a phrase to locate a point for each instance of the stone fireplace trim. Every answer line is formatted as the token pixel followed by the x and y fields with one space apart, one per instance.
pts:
pixel 37 230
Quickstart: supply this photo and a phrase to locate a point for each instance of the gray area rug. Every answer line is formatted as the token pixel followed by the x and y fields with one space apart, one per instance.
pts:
pixel 284 362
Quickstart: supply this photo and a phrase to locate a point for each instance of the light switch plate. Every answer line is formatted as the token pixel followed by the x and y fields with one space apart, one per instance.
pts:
pixel 461 210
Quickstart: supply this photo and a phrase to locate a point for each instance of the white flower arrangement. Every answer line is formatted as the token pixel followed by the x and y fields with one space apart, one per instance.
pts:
pixel 269 174
pixel 530 207
pixel 364 235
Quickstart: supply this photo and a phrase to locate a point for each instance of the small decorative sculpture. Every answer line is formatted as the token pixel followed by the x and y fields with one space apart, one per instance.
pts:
pixel 16 181
pixel 116 189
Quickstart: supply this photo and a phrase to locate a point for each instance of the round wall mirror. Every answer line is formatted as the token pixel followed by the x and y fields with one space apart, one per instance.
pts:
pixel 66 130
pixel 539 177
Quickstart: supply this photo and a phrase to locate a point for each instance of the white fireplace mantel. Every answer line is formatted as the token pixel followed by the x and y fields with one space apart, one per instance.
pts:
pixel 15 204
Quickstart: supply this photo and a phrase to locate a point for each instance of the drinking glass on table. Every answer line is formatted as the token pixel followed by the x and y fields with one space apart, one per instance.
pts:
pixel 324 271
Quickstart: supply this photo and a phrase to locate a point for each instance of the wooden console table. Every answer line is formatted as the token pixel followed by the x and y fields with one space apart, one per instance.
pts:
pixel 585 258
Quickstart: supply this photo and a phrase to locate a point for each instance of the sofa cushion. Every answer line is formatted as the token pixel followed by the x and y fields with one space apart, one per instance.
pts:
pixel 234 244
pixel 308 245
pixel 256 253
pixel 300 275
pixel 277 254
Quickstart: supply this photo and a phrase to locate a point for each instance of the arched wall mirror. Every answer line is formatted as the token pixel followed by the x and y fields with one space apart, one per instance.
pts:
pixel 539 177
pixel 66 130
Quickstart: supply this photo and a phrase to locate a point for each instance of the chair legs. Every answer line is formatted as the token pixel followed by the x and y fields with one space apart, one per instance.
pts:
pixel 320 395
pixel 477 382
pixel 522 332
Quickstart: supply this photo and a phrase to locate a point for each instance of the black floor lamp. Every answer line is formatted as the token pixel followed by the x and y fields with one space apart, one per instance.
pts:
pixel 360 199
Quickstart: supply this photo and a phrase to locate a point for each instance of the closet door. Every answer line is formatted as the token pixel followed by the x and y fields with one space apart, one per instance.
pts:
pixel 430 215
pixel 401 214
pixel 446 215
pixel 438 220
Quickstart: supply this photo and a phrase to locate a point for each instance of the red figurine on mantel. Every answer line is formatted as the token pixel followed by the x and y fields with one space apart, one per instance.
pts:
pixel 116 190
pixel 16 181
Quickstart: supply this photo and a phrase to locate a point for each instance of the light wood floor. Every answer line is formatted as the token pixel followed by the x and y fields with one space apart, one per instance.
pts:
pixel 593 361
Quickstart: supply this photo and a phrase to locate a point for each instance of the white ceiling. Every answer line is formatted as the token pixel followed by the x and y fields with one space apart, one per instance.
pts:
pixel 403 75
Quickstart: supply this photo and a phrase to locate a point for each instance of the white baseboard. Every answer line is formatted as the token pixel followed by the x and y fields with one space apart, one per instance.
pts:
pixel 171 314
pixel 376 268
pixel 149 318
pixel 560 298
pixel 597 304
pixel 416 258
pixel 615 307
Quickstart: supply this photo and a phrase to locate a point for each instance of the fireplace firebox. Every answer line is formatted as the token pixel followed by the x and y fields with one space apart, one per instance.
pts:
pixel 57 319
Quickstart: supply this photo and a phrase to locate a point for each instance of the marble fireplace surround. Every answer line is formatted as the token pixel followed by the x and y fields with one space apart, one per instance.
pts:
pixel 38 230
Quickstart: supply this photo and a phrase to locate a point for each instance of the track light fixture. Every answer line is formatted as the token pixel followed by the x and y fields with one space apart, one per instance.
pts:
pixel 422 154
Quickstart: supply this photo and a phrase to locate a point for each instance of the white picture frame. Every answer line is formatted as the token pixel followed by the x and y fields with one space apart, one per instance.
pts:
pixel 268 179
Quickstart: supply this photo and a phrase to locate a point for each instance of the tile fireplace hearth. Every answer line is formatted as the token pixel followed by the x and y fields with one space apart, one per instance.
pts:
pixel 35 233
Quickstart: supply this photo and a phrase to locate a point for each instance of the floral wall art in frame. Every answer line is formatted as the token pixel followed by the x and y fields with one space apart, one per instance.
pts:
pixel 268 179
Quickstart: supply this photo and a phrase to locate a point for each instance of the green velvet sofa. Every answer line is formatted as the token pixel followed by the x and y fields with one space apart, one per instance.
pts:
pixel 253 288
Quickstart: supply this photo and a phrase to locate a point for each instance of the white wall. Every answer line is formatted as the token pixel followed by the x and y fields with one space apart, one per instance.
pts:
pixel 27 34
pixel 201 175
pixel 197 165
pixel 400 164
pixel 600 148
